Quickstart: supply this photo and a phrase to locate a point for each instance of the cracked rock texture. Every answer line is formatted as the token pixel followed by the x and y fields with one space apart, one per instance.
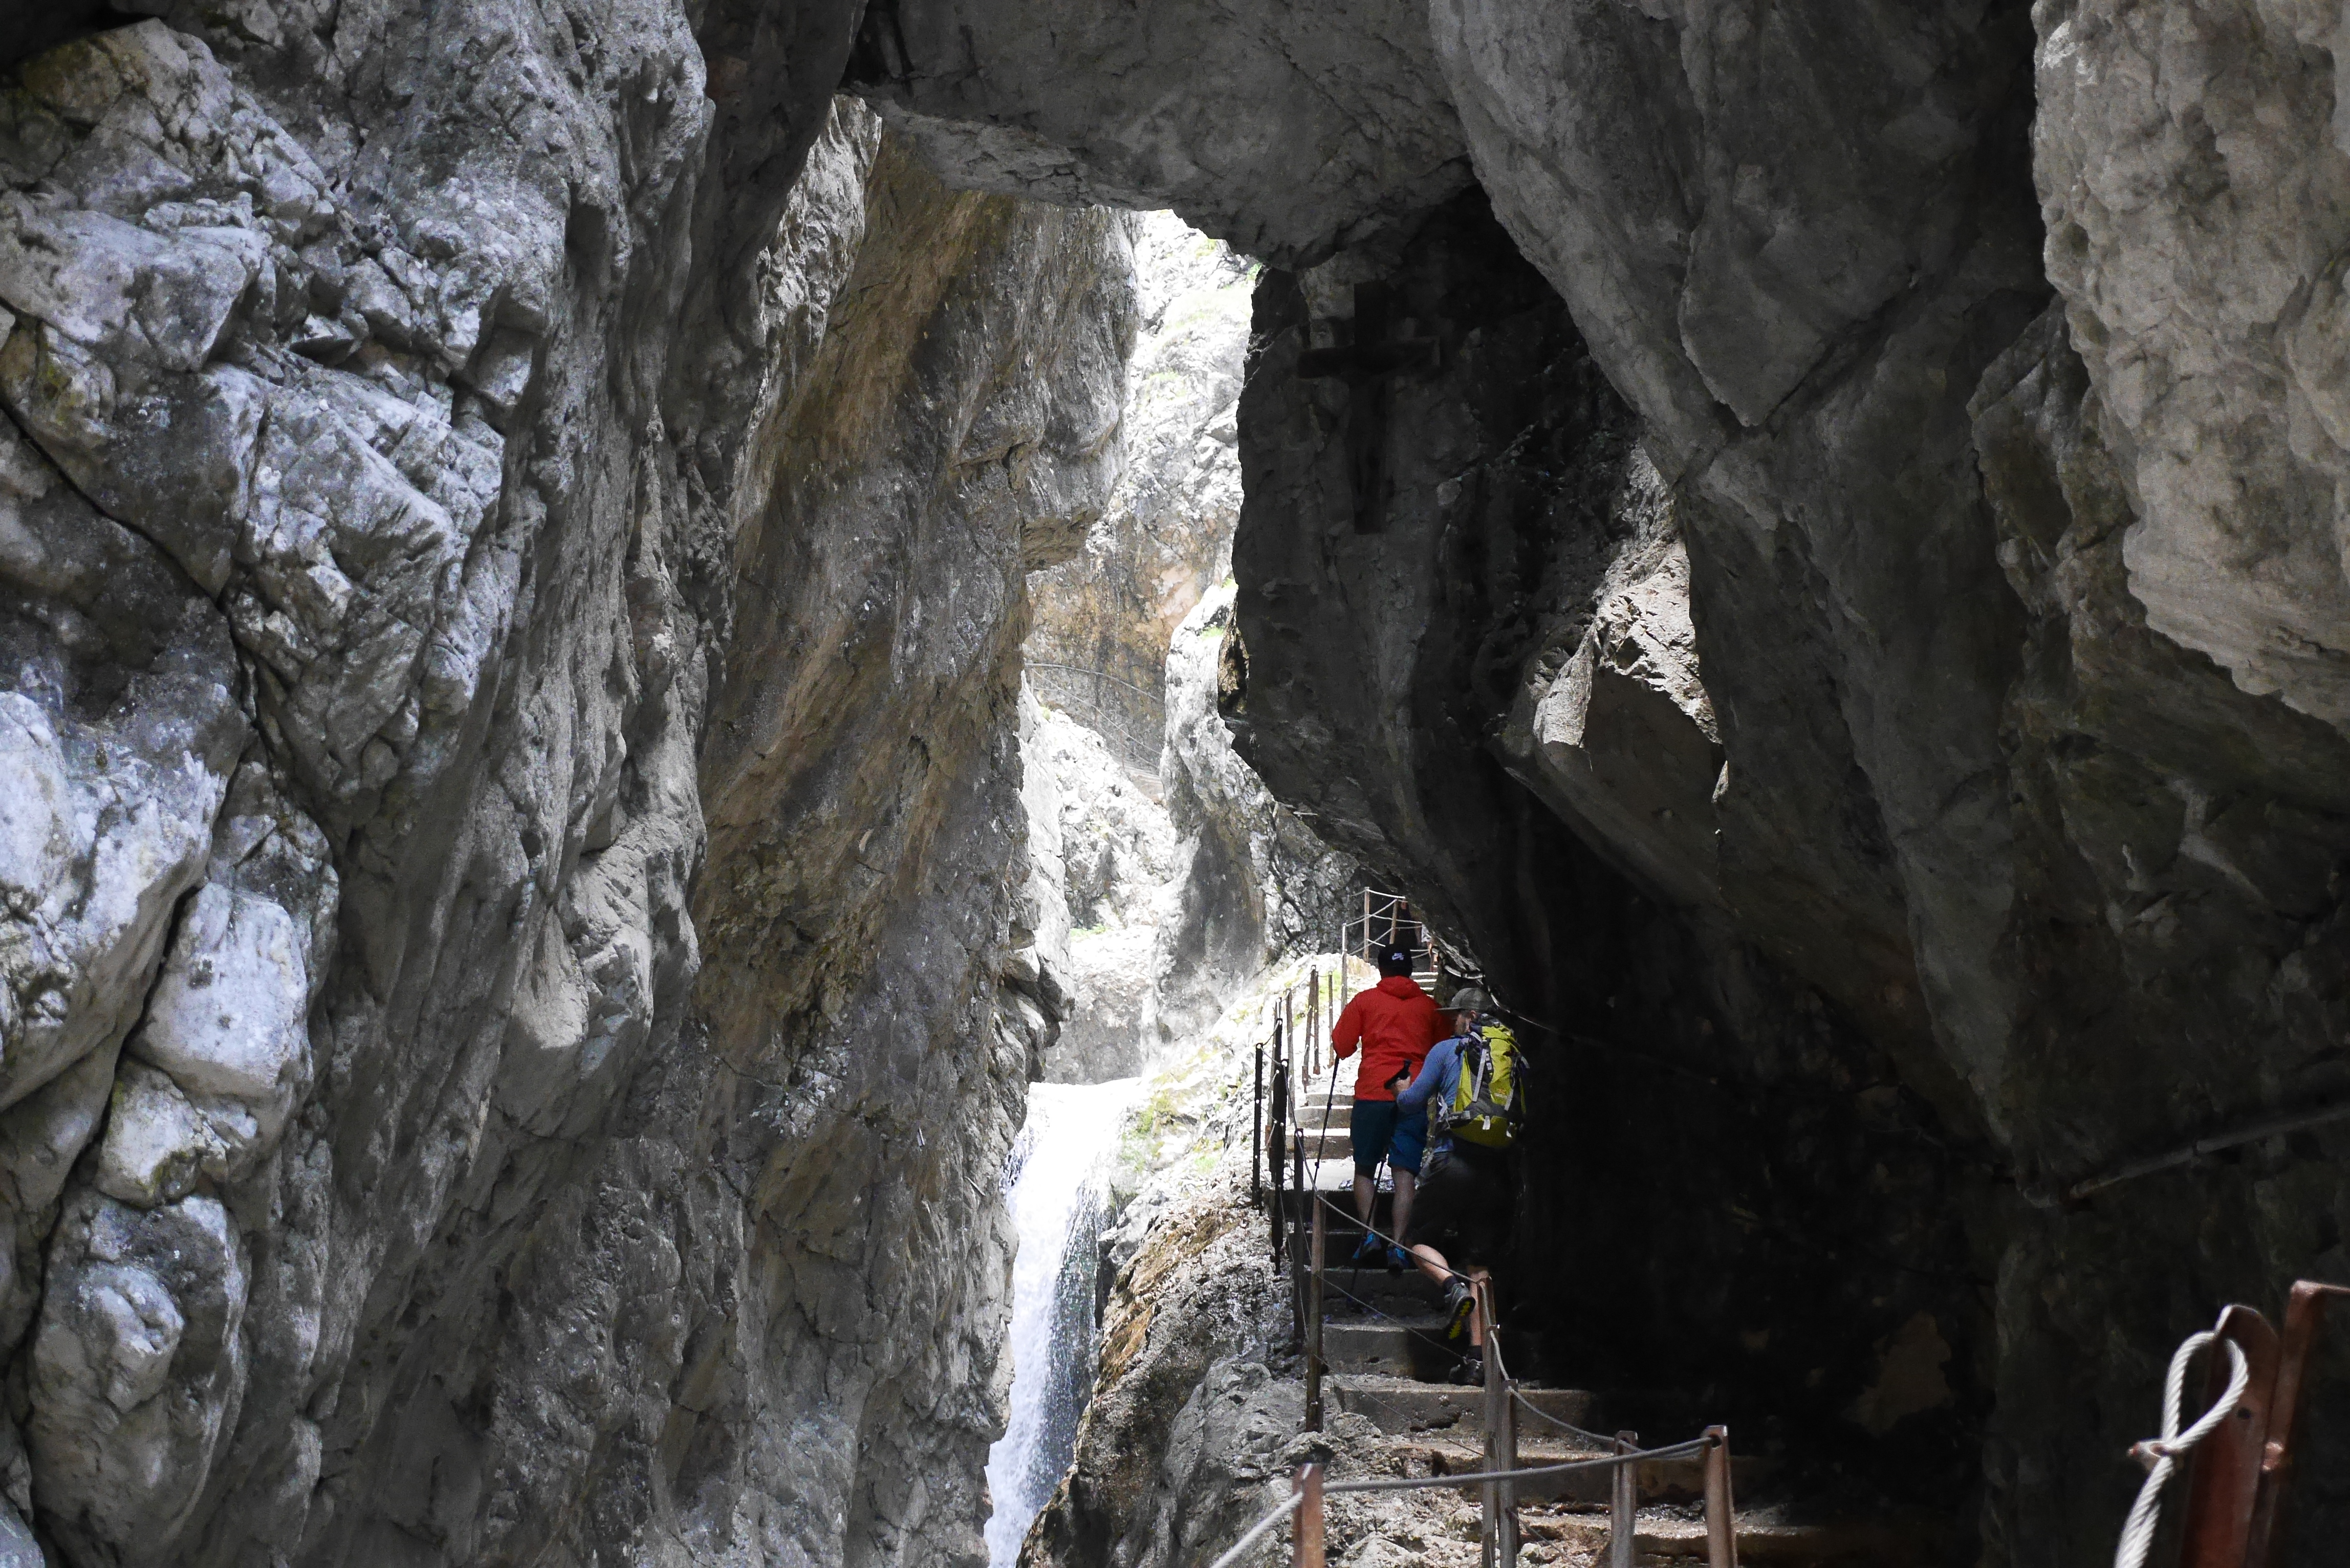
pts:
pixel 516 590
pixel 1930 736
pixel 1253 883
pixel 1288 130
pixel 1167 537
pixel 483 536
pixel 1183 878
pixel 1101 847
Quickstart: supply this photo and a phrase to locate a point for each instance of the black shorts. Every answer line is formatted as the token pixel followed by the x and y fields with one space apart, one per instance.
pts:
pixel 1464 1206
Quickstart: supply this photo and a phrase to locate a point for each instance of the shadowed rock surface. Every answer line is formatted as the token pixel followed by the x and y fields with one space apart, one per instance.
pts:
pixel 512 522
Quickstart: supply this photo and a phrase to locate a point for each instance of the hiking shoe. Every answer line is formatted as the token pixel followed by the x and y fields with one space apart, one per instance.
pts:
pixel 1397 1262
pixel 1458 1304
pixel 1366 1251
pixel 1471 1372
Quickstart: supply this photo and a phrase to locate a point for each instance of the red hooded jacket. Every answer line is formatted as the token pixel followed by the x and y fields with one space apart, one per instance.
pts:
pixel 1395 1022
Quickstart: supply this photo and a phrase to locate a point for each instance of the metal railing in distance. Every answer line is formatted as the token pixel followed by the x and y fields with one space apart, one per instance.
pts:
pixel 1309 1486
pixel 1131 719
pixel 1498 1480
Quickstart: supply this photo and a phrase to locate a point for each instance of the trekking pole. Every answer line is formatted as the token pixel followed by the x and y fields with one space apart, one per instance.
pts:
pixel 1313 1318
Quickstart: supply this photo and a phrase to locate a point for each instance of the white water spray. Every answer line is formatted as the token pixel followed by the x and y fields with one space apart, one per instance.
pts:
pixel 1057 1188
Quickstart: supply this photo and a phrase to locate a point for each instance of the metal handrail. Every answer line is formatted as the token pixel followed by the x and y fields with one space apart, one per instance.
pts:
pixel 1155 699
pixel 1137 738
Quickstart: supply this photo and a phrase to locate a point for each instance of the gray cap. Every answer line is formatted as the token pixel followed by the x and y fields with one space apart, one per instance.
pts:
pixel 1468 999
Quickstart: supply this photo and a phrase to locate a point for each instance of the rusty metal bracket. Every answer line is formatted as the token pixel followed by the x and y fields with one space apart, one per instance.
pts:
pixel 2304 1318
pixel 2237 1476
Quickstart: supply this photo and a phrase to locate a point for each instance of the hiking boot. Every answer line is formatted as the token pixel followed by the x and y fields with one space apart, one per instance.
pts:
pixel 1471 1372
pixel 1459 1303
pixel 1398 1261
pixel 1366 1251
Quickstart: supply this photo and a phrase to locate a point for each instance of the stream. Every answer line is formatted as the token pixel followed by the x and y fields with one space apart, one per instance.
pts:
pixel 1057 1188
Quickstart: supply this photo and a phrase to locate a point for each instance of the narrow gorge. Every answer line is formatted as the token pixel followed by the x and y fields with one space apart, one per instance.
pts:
pixel 630 619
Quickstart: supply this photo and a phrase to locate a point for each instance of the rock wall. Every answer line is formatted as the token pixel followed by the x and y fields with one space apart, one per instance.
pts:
pixel 1111 850
pixel 1252 884
pixel 1495 699
pixel 1185 895
pixel 1984 359
pixel 452 456
pixel 1167 537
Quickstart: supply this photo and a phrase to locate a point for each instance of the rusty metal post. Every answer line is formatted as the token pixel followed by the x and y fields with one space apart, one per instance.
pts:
pixel 1623 1504
pixel 1307 1534
pixel 1305 1194
pixel 2223 1477
pixel 1256 1135
pixel 1313 1021
pixel 1721 1520
pixel 1276 1140
pixel 2304 1317
pixel 1321 1237
pixel 1501 1440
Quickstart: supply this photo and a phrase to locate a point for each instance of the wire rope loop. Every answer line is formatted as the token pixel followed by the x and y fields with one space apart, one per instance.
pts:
pixel 2160 1455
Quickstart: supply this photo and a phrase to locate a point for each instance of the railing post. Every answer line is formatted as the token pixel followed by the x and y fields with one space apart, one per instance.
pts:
pixel 1313 1018
pixel 1720 1525
pixel 1500 1443
pixel 1623 1504
pixel 1256 1135
pixel 1297 1254
pixel 1306 1535
pixel 1321 1230
pixel 1276 1141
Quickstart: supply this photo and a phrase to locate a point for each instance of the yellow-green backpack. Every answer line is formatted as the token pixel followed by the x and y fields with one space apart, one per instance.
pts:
pixel 1488 1097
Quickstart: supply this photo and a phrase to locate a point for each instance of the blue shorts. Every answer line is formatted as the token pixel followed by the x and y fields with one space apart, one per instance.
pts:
pixel 1378 1133
pixel 1409 1140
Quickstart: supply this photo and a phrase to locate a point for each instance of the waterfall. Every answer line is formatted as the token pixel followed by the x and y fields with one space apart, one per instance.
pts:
pixel 1058 1194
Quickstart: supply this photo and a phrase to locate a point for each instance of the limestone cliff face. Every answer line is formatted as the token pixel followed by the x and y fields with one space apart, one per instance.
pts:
pixel 1167 537
pixel 450 460
pixel 1253 883
pixel 1983 814
pixel 1495 700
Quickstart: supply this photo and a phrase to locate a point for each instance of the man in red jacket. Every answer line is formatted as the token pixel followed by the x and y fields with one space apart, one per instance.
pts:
pixel 1393 1023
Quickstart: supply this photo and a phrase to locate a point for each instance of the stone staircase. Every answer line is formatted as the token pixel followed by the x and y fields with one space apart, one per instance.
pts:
pixel 1387 1358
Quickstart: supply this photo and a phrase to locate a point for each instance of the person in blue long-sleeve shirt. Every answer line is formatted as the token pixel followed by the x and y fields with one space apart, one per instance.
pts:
pixel 1465 1189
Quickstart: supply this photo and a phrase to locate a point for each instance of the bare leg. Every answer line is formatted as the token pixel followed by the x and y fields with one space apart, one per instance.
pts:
pixel 1406 1184
pixel 1367 1193
pixel 1432 1263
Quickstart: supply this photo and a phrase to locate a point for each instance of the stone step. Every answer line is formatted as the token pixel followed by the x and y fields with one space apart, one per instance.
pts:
pixel 1401 1347
pixel 1372 1292
pixel 1401 1406
pixel 1658 1539
pixel 1461 1451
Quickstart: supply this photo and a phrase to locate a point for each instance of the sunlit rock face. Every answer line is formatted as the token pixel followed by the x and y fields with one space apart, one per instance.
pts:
pixel 411 537
pixel 1167 537
pixel 1253 882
